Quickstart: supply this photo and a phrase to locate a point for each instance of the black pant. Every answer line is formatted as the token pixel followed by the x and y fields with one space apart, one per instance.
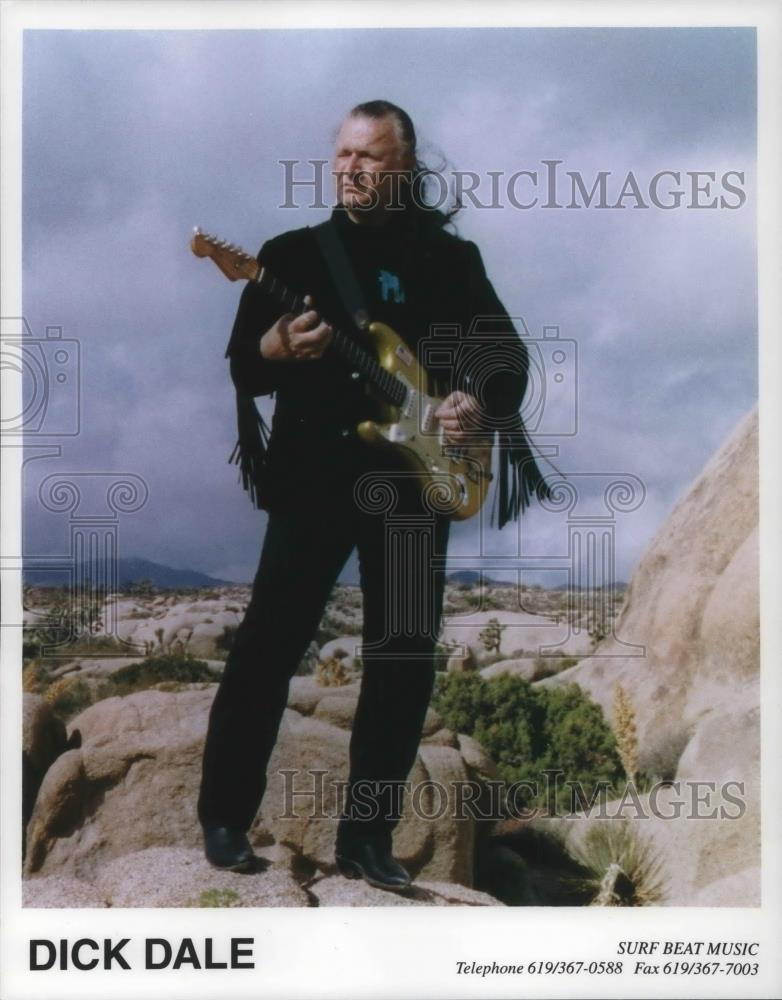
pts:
pixel 401 549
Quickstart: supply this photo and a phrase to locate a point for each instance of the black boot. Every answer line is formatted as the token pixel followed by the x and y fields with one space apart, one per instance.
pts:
pixel 369 856
pixel 229 849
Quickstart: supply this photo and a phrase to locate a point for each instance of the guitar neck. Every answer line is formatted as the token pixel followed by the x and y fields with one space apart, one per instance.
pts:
pixel 344 346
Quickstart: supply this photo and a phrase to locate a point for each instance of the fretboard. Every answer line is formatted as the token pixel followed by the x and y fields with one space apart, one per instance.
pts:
pixel 359 359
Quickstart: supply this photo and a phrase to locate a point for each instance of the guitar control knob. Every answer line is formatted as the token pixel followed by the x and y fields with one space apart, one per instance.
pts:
pixel 354 375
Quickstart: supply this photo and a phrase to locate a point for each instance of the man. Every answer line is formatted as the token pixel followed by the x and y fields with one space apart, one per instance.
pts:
pixel 315 479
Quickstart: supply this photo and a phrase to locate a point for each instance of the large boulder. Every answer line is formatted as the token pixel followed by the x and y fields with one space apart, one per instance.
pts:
pixel 196 628
pixel 685 649
pixel 688 634
pixel 346 648
pixel 132 785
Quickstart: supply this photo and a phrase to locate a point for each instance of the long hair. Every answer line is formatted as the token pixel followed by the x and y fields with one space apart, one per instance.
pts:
pixel 413 195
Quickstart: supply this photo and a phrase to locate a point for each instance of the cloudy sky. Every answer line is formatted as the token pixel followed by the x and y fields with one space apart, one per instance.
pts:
pixel 132 137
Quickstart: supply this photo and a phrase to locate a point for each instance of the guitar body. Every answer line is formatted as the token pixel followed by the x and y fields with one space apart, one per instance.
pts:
pixel 456 478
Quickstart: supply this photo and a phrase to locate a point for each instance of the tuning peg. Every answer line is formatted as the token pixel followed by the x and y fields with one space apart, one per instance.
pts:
pixel 196 231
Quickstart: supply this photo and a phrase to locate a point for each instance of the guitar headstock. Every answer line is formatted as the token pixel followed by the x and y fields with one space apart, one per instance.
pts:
pixel 232 261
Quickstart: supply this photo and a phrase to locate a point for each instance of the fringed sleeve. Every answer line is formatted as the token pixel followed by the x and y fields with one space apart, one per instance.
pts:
pixel 250 450
pixel 497 371
pixel 252 375
pixel 518 463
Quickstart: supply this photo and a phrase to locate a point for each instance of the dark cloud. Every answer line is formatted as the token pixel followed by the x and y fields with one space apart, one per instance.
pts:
pixel 132 137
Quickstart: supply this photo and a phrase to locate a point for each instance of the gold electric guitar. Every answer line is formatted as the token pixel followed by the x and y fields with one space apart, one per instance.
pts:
pixel 456 477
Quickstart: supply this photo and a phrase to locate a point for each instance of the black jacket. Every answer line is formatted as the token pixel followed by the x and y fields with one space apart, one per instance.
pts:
pixel 432 288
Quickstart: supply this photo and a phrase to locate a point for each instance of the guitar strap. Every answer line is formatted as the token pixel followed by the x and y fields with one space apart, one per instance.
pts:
pixel 341 270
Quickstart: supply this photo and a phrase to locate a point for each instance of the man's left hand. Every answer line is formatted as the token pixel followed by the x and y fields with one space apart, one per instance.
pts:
pixel 461 417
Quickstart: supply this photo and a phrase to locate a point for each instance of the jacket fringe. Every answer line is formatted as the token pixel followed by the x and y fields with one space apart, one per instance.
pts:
pixel 519 480
pixel 250 450
pixel 517 463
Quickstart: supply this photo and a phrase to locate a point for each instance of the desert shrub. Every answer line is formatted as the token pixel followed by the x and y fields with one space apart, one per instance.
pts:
pixel 165 669
pixel 89 646
pixel 547 666
pixel 491 636
pixel 626 735
pixel 333 672
pixel 623 867
pixel 218 897
pixel 68 696
pixel 528 731
pixel 34 677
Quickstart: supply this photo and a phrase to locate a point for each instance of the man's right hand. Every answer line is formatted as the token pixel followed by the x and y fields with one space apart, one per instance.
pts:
pixel 297 338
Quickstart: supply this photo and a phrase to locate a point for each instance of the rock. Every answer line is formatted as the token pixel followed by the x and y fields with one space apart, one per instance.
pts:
pixel 304 694
pixel 103 800
pixel 104 666
pixel 179 876
pixel 66 668
pixel 346 648
pixel 197 629
pixel 338 891
pixel 338 708
pixel 723 749
pixel 529 668
pixel 43 740
pixel 43 734
pixel 522 635
pixel 443 737
pixel 740 889
pixel 463 663
pixel 432 723
pixel 691 607
pixel 206 637
pixel 453 841
pixel 59 892
pixel 731 621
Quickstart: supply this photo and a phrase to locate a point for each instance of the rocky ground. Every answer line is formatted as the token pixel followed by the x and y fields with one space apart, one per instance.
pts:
pixel 110 797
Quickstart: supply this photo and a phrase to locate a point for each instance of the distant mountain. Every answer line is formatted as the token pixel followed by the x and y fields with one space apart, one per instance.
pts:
pixel 133 570
pixel 471 576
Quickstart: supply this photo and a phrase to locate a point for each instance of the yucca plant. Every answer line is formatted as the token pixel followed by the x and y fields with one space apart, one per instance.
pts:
pixel 625 732
pixel 623 868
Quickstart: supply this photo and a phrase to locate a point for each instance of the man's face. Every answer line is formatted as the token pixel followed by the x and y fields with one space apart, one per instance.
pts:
pixel 368 159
